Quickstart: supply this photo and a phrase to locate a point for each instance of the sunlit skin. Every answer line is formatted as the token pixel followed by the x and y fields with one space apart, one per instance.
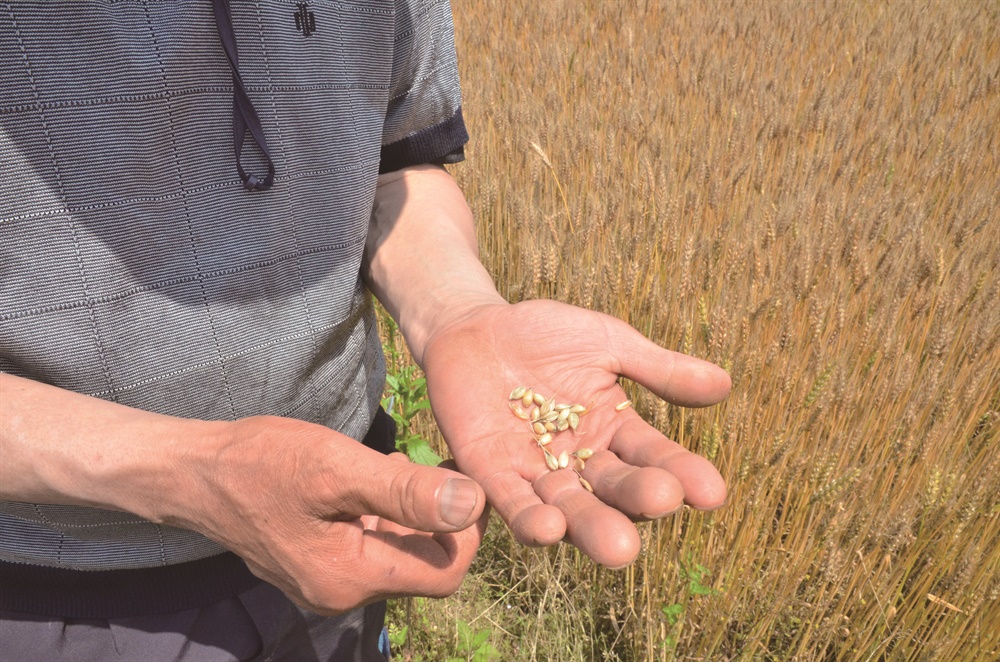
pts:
pixel 332 523
pixel 475 348
pixel 577 356
pixel 337 525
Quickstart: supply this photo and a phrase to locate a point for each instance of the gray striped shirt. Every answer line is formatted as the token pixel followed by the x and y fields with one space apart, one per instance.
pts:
pixel 134 266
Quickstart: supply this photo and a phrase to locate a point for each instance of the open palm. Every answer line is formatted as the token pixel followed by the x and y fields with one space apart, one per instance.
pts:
pixel 571 355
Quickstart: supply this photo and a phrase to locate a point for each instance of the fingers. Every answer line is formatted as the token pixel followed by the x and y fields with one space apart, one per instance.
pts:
pixel 508 489
pixel 642 493
pixel 531 521
pixel 424 498
pixel 638 444
pixel 390 553
pixel 353 563
pixel 642 476
pixel 603 533
pixel 678 378
pixel 404 562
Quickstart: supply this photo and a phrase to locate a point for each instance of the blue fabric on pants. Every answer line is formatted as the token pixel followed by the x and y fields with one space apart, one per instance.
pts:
pixel 383 643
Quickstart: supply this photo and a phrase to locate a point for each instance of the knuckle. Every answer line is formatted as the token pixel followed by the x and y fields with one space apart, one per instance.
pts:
pixel 405 488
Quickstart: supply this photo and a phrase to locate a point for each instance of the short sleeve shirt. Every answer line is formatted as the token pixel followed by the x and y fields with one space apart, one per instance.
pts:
pixel 135 267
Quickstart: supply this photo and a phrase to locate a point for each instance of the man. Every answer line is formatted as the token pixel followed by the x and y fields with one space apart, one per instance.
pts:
pixel 199 199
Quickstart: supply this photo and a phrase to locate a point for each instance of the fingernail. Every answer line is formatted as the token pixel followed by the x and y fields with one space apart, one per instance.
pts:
pixel 458 500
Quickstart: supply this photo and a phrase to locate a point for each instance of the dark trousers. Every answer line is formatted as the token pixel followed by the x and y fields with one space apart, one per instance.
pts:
pixel 258 624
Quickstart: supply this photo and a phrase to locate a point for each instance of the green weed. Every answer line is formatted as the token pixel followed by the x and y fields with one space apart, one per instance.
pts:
pixel 405 396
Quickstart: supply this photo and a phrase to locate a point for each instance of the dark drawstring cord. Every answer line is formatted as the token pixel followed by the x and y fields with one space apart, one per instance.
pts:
pixel 244 115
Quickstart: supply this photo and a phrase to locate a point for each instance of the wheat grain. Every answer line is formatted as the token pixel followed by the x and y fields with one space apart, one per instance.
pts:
pixel 546 418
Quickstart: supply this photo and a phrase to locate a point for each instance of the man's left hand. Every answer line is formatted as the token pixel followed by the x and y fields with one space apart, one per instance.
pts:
pixel 574 356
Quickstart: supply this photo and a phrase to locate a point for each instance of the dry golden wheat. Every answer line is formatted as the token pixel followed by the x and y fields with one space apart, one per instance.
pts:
pixel 808 195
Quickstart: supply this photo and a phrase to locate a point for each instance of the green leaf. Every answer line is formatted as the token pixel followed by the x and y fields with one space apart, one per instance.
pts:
pixel 464 638
pixel 696 578
pixel 485 653
pixel 673 612
pixel 419 451
pixel 700 589
pixel 479 639
pixel 398 637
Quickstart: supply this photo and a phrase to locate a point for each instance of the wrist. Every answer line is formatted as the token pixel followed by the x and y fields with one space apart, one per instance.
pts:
pixel 421 255
pixel 62 447
pixel 441 312
pixel 164 483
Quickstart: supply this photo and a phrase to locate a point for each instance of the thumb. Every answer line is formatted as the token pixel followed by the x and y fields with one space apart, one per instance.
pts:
pixel 417 496
pixel 677 378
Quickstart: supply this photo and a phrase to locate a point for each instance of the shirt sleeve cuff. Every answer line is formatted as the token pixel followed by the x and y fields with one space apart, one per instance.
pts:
pixel 441 143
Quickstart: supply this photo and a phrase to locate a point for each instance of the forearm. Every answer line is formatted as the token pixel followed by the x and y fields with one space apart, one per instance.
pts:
pixel 301 504
pixel 61 447
pixel 421 257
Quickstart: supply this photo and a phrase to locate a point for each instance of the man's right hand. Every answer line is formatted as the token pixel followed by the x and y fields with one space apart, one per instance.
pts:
pixel 332 523
pixel 329 521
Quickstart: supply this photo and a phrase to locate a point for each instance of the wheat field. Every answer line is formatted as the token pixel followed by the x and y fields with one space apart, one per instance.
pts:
pixel 808 194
